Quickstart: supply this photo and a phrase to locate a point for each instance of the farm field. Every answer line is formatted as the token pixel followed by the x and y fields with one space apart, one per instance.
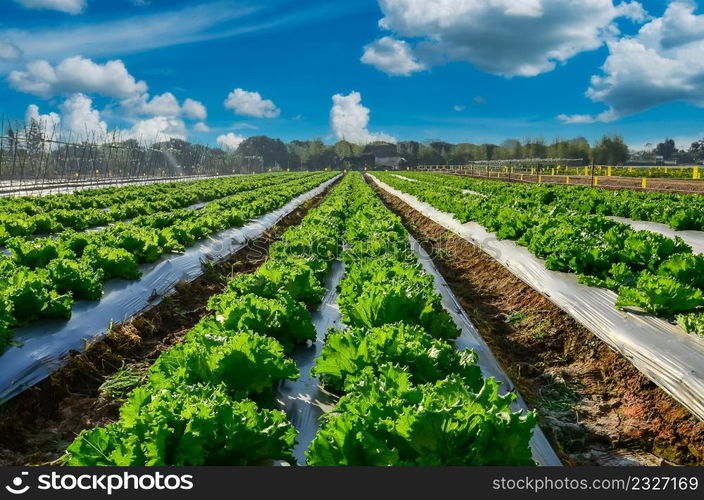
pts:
pixel 571 229
pixel 47 187
pixel 453 246
pixel 44 276
pixel 638 179
pixel 549 238
pixel 240 369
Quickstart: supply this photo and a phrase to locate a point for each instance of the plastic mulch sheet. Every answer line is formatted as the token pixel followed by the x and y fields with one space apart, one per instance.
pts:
pixel 303 400
pixel 660 350
pixel 695 239
pixel 44 345
pixel 65 186
pixel 543 453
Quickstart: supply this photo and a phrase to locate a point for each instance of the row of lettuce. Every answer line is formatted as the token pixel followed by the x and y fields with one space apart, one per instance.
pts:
pixel 647 270
pixel 677 210
pixel 95 197
pixel 44 277
pixel 407 397
pixel 29 216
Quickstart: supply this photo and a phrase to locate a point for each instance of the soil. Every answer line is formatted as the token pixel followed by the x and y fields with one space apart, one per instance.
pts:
pixel 594 406
pixel 37 425
pixel 663 185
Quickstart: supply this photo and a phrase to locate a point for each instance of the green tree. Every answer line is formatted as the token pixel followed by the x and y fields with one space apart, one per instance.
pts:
pixel 666 149
pixel 610 150
pixel 272 151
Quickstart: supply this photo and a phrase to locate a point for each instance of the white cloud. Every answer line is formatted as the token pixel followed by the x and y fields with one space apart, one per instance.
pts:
pixel 349 120
pixel 247 103
pixel 80 120
pixel 194 109
pixel 68 6
pixel 393 57
pixel 604 116
pixel 569 119
pixel 230 141
pixel 157 129
pixel 165 104
pixel 76 75
pixel 458 107
pixel 201 127
pixel 48 123
pixel 663 63
pixel 504 37
pixel 9 51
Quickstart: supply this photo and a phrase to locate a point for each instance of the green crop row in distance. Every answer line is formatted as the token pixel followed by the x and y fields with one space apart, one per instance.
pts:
pixel 679 211
pixel 649 271
pixel 20 218
pixel 44 277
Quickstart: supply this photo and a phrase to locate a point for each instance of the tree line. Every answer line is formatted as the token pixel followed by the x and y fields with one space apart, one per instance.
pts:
pixel 316 154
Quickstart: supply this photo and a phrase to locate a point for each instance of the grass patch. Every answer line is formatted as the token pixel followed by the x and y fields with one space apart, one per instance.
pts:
pixel 515 318
pixel 123 381
pixel 558 396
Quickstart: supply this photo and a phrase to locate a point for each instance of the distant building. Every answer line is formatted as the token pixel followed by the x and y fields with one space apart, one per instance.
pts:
pixel 381 155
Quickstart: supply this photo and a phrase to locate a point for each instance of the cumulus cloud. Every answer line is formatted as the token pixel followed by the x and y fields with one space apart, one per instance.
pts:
pixel 503 37
pixel 9 51
pixel 201 127
pixel 157 129
pixel 247 103
pixel 349 120
pixel 165 104
pixel 393 57
pixel 48 122
pixel 80 120
pixel 68 6
pixel 230 141
pixel 76 75
pixel 663 63
pixel 194 109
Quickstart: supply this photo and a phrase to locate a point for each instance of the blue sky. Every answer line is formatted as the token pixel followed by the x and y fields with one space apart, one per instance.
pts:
pixel 456 70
